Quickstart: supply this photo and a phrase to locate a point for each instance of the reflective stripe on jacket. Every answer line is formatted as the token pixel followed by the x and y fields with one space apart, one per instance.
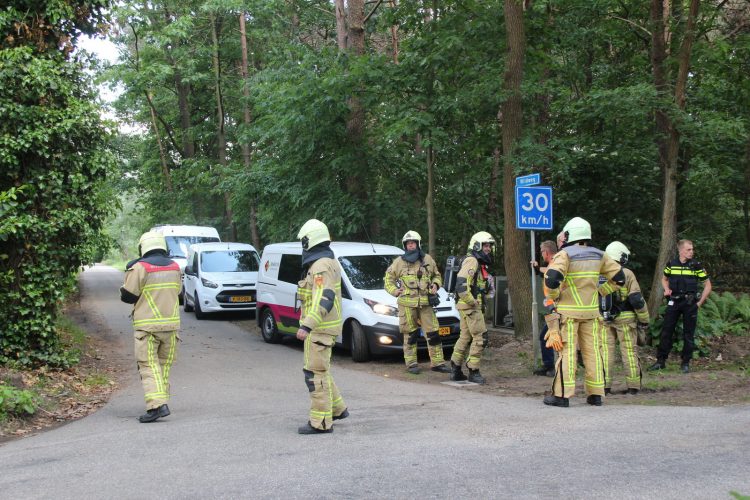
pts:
pixel 157 288
pixel 578 296
pixel 472 271
pixel 320 293
pixel 415 288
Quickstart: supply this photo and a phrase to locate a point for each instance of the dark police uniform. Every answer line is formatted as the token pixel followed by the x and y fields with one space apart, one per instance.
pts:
pixel 683 281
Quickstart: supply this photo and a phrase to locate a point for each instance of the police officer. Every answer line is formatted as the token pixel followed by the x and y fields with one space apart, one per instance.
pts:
pixel 574 311
pixel 320 324
pixel 152 285
pixel 419 280
pixel 472 283
pixel 625 317
pixel 680 282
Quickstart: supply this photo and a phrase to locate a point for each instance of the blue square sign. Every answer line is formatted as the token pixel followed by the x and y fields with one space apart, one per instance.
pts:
pixel 534 207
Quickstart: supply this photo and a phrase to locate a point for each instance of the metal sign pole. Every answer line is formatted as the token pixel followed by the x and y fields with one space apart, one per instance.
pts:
pixel 534 315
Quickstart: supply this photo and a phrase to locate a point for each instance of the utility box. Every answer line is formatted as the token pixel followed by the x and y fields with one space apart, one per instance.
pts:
pixel 503 308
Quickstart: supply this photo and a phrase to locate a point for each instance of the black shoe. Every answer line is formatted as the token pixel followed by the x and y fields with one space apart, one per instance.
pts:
pixel 594 400
pixel 659 365
pixel 476 377
pixel 545 372
pixel 149 416
pixel 163 411
pixel 685 368
pixel 414 370
pixel 456 374
pixel 343 415
pixel 309 429
pixel 441 368
pixel 607 390
pixel 556 401
pixel 632 391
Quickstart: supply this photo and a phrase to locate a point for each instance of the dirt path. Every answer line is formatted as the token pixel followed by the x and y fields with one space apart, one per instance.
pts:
pixel 507 366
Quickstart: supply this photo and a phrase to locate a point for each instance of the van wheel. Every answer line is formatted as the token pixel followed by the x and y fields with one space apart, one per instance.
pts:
pixel 199 314
pixel 181 297
pixel 359 347
pixel 268 329
pixel 187 307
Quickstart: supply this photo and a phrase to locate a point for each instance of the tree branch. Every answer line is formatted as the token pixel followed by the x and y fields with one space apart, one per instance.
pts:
pixel 372 11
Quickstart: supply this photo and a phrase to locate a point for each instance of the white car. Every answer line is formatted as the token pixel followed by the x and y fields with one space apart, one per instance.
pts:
pixel 220 277
pixel 370 313
pixel 179 239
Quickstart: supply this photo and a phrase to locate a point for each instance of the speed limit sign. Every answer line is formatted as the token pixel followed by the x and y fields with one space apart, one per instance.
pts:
pixel 534 207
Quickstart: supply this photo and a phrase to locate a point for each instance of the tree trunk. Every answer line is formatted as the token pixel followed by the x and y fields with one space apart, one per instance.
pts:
pixel 247 118
pixel 162 155
pixel 340 25
pixel 495 175
pixel 429 201
pixel 394 35
pixel 515 251
pixel 668 137
pixel 221 140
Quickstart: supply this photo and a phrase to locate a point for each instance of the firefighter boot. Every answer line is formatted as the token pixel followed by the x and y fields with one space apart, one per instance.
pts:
pixel 163 411
pixel 441 368
pixel 456 374
pixel 556 401
pixel 414 370
pixel 309 429
pixel 594 400
pixel 343 415
pixel 476 377
pixel 150 416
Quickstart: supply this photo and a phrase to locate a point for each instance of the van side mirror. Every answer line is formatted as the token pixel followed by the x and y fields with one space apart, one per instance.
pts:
pixel 189 270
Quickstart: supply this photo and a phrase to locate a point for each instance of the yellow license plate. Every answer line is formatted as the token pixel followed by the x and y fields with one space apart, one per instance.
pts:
pixel 444 330
pixel 241 298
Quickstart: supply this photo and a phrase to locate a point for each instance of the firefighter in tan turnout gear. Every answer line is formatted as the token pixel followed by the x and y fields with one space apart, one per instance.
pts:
pixel 472 283
pixel 152 284
pixel 320 324
pixel 572 291
pixel 414 278
pixel 625 321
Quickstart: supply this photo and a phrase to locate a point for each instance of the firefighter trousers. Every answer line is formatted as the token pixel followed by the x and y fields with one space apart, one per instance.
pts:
pixel 588 334
pixel 626 335
pixel 325 398
pixel 410 320
pixel 155 354
pixel 473 333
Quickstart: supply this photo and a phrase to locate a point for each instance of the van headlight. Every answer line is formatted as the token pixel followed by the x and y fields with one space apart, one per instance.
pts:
pixel 209 284
pixel 383 309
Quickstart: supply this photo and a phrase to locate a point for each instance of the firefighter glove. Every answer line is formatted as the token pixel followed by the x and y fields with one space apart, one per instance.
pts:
pixel 553 338
pixel 642 331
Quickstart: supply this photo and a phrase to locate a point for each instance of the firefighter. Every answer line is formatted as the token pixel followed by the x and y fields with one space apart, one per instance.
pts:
pixel 152 285
pixel 320 324
pixel 625 321
pixel 571 284
pixel 414 278
pixel 473 282
pixel 680 282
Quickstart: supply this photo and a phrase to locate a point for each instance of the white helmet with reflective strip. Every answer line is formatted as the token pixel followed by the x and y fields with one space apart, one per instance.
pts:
pixel 618 251
pixel 151 241
pixel 411 236
pixel 480 239
pixel 578 229
pixel 312 233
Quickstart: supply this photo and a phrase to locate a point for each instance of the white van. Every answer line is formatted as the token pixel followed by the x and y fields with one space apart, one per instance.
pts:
pixel 220 277
pixel 370 313
pixel 179 239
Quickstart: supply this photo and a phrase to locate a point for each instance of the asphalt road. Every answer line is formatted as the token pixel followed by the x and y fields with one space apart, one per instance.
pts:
pixel 237 403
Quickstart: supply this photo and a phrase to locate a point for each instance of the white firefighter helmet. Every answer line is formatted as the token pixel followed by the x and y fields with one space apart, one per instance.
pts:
pixel 618 251
pixel 151 241
pixel 577 229
pixel 411 236
pixel 480 239
pixel 313 232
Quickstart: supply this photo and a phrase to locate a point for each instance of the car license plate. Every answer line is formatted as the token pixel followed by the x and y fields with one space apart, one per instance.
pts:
pixel 444 330
pixel 241 298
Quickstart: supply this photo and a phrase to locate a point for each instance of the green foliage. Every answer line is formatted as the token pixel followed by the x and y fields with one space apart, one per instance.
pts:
pixel 54 197
pixel 16 402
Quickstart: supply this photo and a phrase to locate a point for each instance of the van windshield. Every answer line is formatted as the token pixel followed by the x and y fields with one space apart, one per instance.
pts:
pixel 178 245
pixel 366 272
pixel 223 261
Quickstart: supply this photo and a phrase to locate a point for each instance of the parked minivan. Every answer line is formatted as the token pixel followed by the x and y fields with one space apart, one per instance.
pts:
pixel 370 314
pixel 220 277
pixel 179 239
